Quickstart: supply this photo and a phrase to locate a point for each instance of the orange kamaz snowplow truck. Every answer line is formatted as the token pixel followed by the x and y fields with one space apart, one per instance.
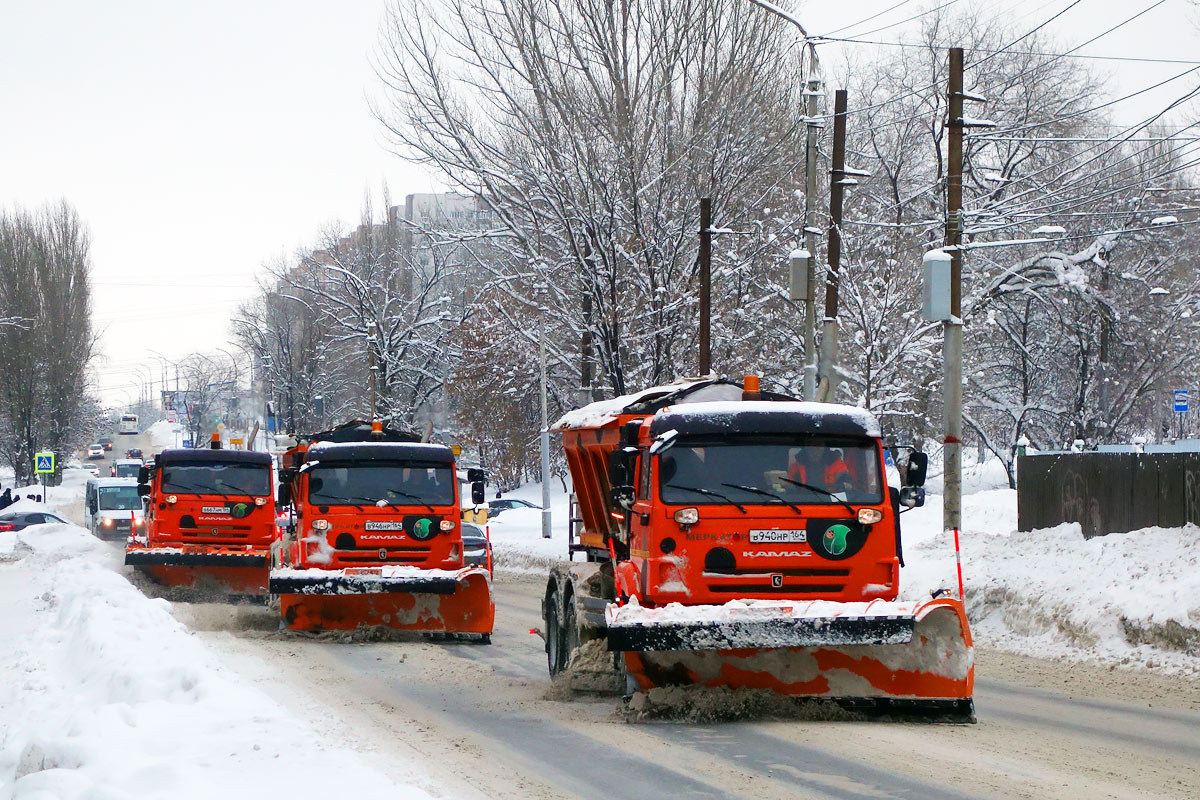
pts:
pixel 375 537
pixel 210 520
pixel 735 538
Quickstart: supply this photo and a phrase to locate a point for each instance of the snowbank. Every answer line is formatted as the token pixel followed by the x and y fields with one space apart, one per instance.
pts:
pixel 104 694
pixel 164 435
pixel 1126 598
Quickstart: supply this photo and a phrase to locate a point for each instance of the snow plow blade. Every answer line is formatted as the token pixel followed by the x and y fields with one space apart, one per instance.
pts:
pixel 232 570
pixel 894 658
pixel 402 598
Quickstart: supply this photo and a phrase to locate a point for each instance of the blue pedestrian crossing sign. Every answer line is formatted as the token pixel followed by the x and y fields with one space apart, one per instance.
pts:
pixel 43 463
pixel 1181 400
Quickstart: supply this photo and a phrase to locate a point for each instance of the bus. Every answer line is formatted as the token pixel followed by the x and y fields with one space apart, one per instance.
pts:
pixel 129 425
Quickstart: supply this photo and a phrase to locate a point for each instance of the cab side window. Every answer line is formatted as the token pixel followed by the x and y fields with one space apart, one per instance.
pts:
pixel 644 477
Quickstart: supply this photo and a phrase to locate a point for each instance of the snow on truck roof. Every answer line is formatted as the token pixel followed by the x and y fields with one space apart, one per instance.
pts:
pixel 716 406
pixel 763 416
pixel 200 456
pixel 686 390
pixel 379 451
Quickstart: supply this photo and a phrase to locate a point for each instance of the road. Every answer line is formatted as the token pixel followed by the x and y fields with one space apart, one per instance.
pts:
pixel 481 721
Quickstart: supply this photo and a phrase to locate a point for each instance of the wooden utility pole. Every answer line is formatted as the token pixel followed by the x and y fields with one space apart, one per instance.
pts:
pixel 952 328
pixel 705 283
pixel 829 328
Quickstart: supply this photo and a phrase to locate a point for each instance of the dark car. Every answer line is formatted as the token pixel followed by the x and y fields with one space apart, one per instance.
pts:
pixel 477 549
pixel 20 520
pixel 106 443
pixel 496 506
pixel 133 452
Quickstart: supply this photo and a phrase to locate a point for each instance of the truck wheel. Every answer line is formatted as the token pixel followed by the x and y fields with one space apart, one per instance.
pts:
pixel 570 632
pixel 554 635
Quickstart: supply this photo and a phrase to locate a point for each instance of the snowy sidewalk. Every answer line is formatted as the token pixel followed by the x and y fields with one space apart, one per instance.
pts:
pixel 103 693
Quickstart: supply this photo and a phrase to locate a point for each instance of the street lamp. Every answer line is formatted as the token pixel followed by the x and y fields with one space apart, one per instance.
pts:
pixel 540 294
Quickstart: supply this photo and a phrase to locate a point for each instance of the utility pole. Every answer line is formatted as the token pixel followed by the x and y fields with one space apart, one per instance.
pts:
pixel 705 283
pixel 546 528
pixel 813 92
pixel 952 328
pixel 829 328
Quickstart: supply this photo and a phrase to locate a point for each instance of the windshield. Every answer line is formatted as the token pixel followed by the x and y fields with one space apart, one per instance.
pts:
pixel 228 479
pixel 804 470
pixel 395 484
pixel 128 470
pixel 119 498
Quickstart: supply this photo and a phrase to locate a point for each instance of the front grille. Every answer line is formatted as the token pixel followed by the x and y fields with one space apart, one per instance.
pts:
pixel 365 558
pixel 747 589
pixel 799 572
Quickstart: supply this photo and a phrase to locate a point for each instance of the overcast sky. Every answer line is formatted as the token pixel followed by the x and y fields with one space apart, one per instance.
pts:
pixel 199 140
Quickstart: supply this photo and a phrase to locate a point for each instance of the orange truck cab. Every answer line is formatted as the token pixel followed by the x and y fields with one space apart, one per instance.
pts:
pixel 210 520
pixel 375 538
pixel 737 538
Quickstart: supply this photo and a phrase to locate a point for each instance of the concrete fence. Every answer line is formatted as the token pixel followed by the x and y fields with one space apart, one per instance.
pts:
pixel 1108 492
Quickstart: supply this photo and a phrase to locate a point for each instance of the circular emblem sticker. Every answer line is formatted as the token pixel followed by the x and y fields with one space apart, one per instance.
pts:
pixel 422 528
pixel 836 539
pixel 240 510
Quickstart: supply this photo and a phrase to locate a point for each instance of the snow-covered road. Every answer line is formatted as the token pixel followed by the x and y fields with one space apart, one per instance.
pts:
pixel 484 723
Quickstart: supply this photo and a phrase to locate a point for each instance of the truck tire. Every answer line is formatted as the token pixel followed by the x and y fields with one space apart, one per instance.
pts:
pixel 554 635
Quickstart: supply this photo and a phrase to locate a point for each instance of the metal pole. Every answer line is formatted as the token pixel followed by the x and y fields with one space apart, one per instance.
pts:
pixel 545 430
pixel 705 283
pixel 952 328
pixel 829 328
pixel 813 92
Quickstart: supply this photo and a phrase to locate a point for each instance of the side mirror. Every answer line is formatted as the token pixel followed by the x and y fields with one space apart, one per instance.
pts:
pixel 477 497
pixel 285 494
pixel 918 465
pixel 912 497
pixel 476 476
pixel 143 475
pixel 143 491
pixel 622 497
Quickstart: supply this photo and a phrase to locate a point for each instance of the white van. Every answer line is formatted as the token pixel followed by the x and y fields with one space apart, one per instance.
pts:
pixel 128 425
pixel 112 508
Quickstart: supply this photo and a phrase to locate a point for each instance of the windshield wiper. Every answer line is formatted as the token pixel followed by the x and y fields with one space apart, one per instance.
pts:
pixel 710 493
pixel 765 493
pixel 432 510
pixel 819 490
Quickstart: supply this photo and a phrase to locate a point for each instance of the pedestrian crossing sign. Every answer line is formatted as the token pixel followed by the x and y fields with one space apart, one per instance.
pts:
pixel 43 463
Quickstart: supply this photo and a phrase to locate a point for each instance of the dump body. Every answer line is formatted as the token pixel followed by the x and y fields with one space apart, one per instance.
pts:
pixel 753 543
pixel 375 539
pixel 210 521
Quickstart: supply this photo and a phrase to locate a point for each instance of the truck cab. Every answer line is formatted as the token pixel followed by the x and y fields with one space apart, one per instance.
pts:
pixel 756 500
pixel 210 497
pixel 369 503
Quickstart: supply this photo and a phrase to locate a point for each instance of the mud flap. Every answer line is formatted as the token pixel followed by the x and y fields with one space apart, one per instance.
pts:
pixel 929 668
pixel 430 601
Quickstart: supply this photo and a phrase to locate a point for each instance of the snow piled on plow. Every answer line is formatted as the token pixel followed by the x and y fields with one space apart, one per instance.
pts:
pixel 105 694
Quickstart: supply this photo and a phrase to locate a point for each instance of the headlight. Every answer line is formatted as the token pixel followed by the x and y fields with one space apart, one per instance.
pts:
pixel 687 516
pixel 260 501
pixel 320 524
pixel 107 522
pixel 869 516
pixel 171 498
pixel 447 525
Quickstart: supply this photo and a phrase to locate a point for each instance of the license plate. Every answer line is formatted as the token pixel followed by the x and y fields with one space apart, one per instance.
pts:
pixel 778 537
